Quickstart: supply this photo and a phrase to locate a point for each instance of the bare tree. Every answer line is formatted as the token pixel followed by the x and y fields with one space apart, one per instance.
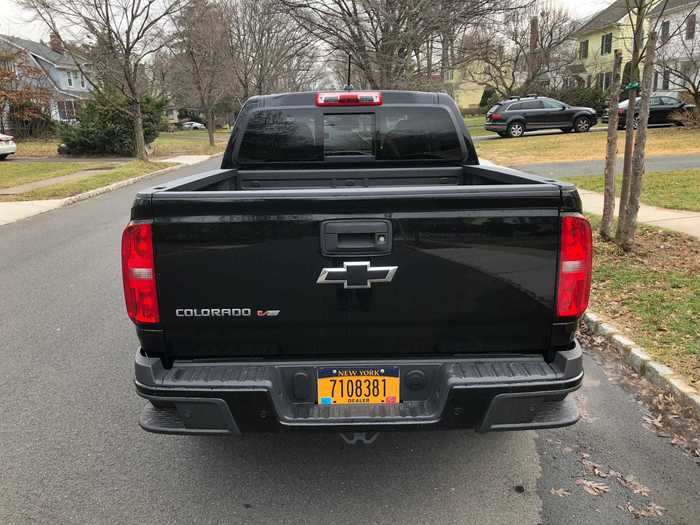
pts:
pixel 638 13
pixel 268 50
pixel 611 152
pixel 200 66
pixel 392 43
pixel 122 36
pixel 531 45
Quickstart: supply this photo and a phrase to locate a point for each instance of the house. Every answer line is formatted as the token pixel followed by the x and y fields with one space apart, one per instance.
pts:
pixel 678 57
pixel 596 41
pixel 59 73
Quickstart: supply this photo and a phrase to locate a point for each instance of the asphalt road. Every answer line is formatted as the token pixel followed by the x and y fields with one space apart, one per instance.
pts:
pixel 71 450
pixel 597 167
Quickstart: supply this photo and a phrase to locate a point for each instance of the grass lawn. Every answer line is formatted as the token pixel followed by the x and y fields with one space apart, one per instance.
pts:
pixel 135 168
pixel 678 190
pixel 583 146
pixel 47 147
pixel 475 125
pixel 653 294
pixel 193 142
pixel 16 173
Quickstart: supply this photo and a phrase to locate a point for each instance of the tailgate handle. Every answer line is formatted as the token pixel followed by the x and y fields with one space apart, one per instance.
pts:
pixel 355 237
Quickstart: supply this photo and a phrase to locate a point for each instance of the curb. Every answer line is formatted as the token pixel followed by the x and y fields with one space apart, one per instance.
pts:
pixel 115 186
pixel 634 355
pixel 61 203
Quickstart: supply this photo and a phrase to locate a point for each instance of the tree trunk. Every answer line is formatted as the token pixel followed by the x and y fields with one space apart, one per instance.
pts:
pixel 638 162
pixel 611 155
pixel 211 126
pixel 629 122
pixel 139 139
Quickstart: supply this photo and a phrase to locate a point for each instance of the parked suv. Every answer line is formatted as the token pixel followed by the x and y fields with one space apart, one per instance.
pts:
pixel 514 116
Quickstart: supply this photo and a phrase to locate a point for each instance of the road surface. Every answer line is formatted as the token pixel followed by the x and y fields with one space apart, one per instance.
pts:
pixel 71 450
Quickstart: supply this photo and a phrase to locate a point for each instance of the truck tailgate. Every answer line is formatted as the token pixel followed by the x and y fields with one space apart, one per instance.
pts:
pixel 475 271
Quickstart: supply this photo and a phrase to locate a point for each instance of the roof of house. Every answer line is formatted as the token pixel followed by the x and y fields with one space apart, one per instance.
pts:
pixel 41 50
pixel 671 5
pixel 605 18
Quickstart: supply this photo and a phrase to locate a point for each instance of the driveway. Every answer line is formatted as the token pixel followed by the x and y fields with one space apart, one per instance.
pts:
pixel 71 450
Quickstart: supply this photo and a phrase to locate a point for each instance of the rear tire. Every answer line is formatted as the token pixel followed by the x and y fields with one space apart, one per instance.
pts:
pixel 582 124
pixel 502 134
pixel 515 130
pixel 4 156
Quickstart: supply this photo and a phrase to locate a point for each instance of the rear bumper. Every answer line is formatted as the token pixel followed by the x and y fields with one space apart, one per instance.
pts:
pixel 495 127
pixel 486 393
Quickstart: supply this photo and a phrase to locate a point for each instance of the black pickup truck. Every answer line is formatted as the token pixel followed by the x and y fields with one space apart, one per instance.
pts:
pixel 352 267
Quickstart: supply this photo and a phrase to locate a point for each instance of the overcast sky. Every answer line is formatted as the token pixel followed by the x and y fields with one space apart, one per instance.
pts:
pixel 17 22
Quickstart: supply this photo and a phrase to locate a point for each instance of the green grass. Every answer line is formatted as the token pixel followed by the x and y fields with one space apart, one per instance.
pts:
pixel 653 293
pixel 193 142
pixel 13 173
pixel 475 125
pixel 678 190
pixel 125 171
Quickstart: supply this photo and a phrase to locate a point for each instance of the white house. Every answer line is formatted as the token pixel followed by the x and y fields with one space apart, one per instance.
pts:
pixel 678 62
pixel 67 85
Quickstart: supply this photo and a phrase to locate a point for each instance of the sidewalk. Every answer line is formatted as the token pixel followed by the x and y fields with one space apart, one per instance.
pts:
pixel 17 210
pixel 687 222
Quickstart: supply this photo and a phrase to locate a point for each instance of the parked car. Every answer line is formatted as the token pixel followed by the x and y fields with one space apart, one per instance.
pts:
pixel 193 125
pixel 7 146
pixel 663 110
pixel 515 116
pixel 380 279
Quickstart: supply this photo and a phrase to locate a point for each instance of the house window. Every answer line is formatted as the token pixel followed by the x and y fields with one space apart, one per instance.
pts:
pixel 665 30
pixel 448 75
pixel 667 79
pixel 589 81
pixel 690 27
pixel 656 80
pixel 583 49
pixel 70 78
pixel 606 44
pixel 82 81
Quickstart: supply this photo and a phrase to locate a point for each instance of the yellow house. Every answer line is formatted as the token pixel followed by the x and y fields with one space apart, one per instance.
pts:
pixel 466 87
pixel 596 42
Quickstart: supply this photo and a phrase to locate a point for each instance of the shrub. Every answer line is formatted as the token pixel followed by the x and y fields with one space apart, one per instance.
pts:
pixel 105 127
pixel 583 96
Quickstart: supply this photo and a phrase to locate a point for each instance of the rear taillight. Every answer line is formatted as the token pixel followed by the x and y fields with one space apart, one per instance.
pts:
pixel 138 272
pixel 495 116
pixel 621 111
pixel 349 98
pixel 575 266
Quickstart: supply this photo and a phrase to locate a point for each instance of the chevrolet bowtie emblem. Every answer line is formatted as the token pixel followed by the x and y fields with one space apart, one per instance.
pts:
pixel 357 275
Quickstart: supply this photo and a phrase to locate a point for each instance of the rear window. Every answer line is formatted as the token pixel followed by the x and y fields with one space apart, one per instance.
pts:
pixel 388 133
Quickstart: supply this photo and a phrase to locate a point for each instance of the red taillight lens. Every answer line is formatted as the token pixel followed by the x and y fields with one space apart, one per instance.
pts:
pixel 349 98
pixel 575 266
pixel 495 116
pixel 621 111
pixel 138 272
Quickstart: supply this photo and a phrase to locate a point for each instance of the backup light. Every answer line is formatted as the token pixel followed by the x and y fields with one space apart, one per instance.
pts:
pixel 575 266
pixel 349 98
pixel 138 273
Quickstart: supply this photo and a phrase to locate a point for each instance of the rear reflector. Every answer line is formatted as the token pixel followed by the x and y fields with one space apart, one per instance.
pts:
pixel 138 272
pixel 349 98
pixel 575 266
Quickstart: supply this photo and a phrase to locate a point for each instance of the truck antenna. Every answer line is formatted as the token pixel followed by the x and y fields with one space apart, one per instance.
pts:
pixel 348 85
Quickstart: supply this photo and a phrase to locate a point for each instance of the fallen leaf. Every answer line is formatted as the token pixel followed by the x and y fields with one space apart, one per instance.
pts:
pixel 593 488
pixel 636 487
pixel 560 492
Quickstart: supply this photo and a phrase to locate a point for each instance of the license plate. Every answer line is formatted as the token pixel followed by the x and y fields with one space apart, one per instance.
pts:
pixel 362 386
